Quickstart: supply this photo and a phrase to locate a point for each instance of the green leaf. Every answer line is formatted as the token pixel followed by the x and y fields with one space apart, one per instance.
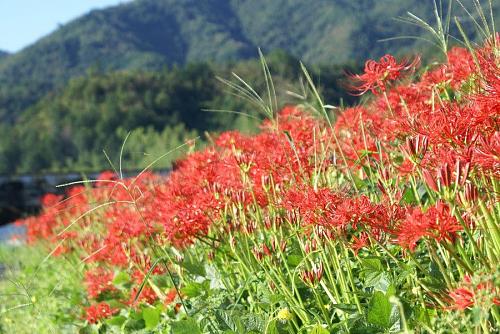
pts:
pixel 89 329
pixel 364 329
pixel 391 291
pixel 349 308
pixel 254 324
pixel 409 197
pixel 151 317
pixel 194 267
pixel 229 322
pixel 186 326
pixel 372 264
pixel 275 298
pixel 477 315
pixel 192 289
pixel 374 274
pixel 134 325
pixel 293 260
pixel 214 277
pixel 272 328
pixel 121 278
pixel 318 329
pixel 116 320
pixel 436 272
pixel 379 312
pixel 277 327
pixel 360 183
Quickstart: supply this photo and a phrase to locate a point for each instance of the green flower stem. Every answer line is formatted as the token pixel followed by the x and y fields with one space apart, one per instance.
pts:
pixel 495 313
pixel 465 265
pixel 291 275
pixel 396 301
pixel 436 259
pixel 415 191
pixel 328 293
pixel 331 280
pixel 321 307
pixel 475 248
pixel 351 280
pixel 421 299
pixel 297 302
pixel 491 229
pixel 340 274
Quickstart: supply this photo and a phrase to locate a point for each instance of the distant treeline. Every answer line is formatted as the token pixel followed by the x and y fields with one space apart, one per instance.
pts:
pixel 69 129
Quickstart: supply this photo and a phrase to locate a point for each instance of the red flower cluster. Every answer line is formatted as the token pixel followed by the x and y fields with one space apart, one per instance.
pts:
pixel 97 312
pixel 238 169
pixel 469 294
pixel 99 281
pixel 436 223
pixel 378 75
pixel 455 107
pixel 447 125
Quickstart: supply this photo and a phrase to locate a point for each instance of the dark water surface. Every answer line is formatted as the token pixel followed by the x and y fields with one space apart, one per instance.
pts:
pixel 20 194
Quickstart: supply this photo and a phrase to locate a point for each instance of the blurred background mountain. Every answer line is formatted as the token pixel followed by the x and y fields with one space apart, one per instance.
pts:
pixel 149 66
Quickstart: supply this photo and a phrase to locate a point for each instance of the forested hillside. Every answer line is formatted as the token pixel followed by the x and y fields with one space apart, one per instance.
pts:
pixel 70 128
pixel 81 88
pixel 149 34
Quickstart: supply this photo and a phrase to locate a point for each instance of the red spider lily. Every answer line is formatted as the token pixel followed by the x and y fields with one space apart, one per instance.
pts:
pixel 99 281
pixel 460 65
pixel 107 176
pixel 50 200
pixel 313 276
pixel 462 170
pixel 447 125
pixel 97 312
pixel 362 214
pixel 436 223
pixel 378 75
pixel 470 294
pixel 444 175
pixel 259 255
pixel 488 153
pixel 358 130
pixel 146 295
pixel 170 296
pixel 266 250
pixel 471 193
pixel 310 246
pixel 417 146
pixel 462 298
pixel 359 243
pixel 275 245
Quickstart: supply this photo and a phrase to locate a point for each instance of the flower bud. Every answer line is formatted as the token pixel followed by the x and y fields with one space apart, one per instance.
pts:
pixel 429 180
pixel 444 175
pixel 471 193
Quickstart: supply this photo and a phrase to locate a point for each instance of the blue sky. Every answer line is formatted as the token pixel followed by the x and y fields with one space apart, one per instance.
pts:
pixel 22 22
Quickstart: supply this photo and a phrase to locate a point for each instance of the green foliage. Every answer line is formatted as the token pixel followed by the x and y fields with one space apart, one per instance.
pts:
pixel 151 317
pixel 379 313
pixel 39 294
pixel 186 326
